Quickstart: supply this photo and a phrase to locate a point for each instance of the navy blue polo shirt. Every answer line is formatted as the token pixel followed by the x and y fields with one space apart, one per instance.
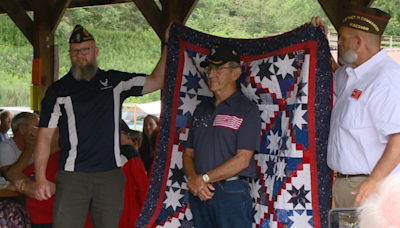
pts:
pixel 218 132
pixel 88 114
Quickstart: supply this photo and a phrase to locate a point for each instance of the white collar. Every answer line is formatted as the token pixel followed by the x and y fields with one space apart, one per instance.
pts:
pixel 365 67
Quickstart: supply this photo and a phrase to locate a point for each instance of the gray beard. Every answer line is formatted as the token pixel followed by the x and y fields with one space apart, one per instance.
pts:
pixel 84 73
pixel 349 57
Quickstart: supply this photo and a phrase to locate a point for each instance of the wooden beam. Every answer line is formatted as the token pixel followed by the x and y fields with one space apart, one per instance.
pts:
pixel 152 14
pixel 47 15
pixel 20 18
pixel 188 7
pixel 57 13
pixel 73 4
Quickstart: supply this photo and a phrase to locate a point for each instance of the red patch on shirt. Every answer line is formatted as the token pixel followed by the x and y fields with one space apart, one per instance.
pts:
pixel 356 94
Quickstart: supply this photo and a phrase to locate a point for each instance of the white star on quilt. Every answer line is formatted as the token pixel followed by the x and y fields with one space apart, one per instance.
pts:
pixel 189 66
pixel 198 59
pixel 255 188
pixel 284 121
pixel 300 221
pixel 272 85
pixel 175 223
pixel 189 104
pixel 173 198
pixel 261 159
pixel 188 214
pixel 176 158
pixel 260 211
pixel 298 119
pixel 280 169
pixel 303 178
pixel 269 184
pixel 194 64
pixel 268 112
pixel 274 141
pixel 254 67
pixel 285 66
pixel 250 92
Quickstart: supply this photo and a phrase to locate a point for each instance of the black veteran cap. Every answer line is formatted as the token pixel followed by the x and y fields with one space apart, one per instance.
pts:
pixel 365 19
pixel 220 54
pixel 80 35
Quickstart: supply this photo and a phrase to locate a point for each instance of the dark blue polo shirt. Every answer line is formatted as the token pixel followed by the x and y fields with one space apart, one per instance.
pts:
pixel 88 114
pixel 218 132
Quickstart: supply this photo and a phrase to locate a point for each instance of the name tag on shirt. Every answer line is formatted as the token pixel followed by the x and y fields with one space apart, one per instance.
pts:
pixel 232 122
pixel 356 94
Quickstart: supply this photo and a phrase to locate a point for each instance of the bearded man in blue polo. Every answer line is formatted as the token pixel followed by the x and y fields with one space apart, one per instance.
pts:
pixel 86 105
pixel 219 155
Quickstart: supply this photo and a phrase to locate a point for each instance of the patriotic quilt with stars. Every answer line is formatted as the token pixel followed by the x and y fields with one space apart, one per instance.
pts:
pixel 289 78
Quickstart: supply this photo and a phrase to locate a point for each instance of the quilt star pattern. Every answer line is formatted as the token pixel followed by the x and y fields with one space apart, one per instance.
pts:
pixel 289 78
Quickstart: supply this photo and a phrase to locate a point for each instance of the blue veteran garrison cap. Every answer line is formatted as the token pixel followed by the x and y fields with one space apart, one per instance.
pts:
pixel 220 54
pixel 79 35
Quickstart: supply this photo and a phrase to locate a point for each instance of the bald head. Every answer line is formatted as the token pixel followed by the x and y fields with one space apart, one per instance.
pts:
pixel 5 120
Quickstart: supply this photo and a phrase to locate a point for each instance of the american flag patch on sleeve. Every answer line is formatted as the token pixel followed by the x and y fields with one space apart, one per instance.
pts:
pixel 232 122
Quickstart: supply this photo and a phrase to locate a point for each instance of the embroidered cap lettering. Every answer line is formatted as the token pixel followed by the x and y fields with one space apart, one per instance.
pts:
pixel 232 122
pixel 356 94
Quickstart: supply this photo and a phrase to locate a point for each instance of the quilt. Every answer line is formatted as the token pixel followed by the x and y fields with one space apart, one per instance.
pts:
pixel 289 78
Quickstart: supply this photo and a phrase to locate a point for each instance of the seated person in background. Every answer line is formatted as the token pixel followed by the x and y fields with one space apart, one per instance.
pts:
pixel 132 138
pixel 136 139
pixel 16 153
pixel 150 123
pixel 40 212
pixel 382 208
pixel 5 124
pixel 136 180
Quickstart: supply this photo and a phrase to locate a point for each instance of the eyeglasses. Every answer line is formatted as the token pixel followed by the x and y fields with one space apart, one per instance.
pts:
pixel 84 51
pixel 217 69
pixel 34 127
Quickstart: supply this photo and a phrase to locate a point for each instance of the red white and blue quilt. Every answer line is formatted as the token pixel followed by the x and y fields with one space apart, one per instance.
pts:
pixel 289 78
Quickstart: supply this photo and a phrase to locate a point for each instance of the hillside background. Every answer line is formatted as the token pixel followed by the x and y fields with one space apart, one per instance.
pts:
pixel 128 43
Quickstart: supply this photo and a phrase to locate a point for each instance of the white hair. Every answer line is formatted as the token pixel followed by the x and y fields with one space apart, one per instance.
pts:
pixel 382 208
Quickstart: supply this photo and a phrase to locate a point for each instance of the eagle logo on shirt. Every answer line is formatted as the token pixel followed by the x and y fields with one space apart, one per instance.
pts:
pixel 105 83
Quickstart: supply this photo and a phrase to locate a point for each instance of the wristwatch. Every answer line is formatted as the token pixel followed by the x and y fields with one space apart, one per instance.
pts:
pixel 206 178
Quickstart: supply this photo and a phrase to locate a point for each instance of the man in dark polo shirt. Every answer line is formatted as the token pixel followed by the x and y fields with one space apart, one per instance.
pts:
pixel 86 106
pixel 218 159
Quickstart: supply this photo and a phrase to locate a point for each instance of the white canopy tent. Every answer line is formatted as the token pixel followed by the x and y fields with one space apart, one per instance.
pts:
pixel 134 114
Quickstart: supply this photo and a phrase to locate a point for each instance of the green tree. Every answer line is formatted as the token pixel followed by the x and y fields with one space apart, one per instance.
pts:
pixel 391 7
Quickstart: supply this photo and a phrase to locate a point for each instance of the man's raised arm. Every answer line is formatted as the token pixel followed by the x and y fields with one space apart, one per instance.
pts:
pixel 155 81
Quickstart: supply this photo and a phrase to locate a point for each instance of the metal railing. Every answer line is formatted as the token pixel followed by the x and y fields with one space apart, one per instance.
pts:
pixel 390 42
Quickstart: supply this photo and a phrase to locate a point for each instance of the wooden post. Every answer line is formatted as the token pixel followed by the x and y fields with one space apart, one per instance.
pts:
pixel 135 122
pixel 39 32
pixel 43 48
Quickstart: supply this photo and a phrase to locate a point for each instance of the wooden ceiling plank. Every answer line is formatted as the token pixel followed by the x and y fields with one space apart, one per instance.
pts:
pixel 152 14
pixel 188 7
pixel 58 12
pixel 20 18
pixel 83 3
